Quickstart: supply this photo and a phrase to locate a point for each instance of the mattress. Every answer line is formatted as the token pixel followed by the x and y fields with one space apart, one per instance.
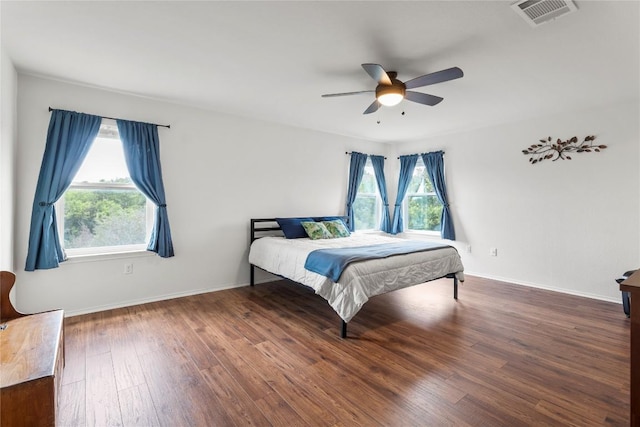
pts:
pixel 360 280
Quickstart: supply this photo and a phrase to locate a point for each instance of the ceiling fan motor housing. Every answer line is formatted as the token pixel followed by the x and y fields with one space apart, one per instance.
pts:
pixel 396 87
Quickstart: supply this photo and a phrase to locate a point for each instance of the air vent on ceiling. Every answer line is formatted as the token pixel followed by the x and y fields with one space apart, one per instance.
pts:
pixel 537 12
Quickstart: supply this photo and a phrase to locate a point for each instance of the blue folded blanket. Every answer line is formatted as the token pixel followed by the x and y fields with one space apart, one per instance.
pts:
pixel 331 262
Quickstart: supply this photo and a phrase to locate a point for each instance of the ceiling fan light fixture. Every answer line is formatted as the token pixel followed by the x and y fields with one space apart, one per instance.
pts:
pixel 389 95
pixel 390 99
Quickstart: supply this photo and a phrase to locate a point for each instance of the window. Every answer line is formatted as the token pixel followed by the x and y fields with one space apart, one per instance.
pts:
pixel 422 209
pixel 368 204
pixel 102 211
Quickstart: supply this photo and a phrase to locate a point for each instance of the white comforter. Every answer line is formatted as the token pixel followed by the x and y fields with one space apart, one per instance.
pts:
pixel 360 280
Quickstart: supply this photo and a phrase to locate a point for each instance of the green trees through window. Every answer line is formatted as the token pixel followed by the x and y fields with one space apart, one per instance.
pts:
pixel 109 216
pixel 423 209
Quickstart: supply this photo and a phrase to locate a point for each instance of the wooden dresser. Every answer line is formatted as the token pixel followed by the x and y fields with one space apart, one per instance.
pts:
pixel 31 363
pixel 632 285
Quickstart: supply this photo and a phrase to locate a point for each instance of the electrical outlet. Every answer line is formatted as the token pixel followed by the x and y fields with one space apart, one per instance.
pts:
pixel 493 251
pixel 468 249
pixel 128 268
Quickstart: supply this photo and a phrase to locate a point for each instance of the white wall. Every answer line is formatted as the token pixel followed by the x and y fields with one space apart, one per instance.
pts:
pixel 566 225
pixel 219 171
pixel 8 99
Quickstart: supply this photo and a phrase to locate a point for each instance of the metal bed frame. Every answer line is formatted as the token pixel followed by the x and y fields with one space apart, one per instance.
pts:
pixel 259 229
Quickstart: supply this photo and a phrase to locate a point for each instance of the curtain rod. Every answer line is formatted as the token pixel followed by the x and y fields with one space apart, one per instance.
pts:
pixel 349 152
pixel 112 118
pixel 421 154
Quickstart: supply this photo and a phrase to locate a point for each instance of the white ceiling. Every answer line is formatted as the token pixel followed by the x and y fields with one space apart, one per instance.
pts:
pixel 272 60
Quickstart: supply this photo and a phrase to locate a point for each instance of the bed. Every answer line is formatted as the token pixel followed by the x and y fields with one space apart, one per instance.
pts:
pixel 360 279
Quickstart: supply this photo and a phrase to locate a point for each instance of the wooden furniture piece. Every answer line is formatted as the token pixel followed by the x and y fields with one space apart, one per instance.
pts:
pixel 7 311
pixel 632 285
pixel 31 363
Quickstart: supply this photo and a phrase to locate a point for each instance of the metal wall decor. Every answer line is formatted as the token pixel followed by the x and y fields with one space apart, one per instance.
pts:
pixel 549 150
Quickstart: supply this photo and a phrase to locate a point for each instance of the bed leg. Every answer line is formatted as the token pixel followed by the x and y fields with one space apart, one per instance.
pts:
pixel 252 274
pixel 455 287
pixel 343 329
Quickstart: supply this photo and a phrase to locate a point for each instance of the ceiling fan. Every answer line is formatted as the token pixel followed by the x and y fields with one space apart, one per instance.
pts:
pixel 390 91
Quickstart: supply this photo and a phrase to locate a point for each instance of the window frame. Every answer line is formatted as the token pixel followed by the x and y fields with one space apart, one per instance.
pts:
pixel 405 203
pixel 378 199
pixel 106 132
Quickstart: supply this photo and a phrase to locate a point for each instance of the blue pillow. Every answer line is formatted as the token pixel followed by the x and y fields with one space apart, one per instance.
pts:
pixel 292 227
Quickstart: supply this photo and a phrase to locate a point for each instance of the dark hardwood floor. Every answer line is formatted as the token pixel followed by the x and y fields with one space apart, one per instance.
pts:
pixel 502 355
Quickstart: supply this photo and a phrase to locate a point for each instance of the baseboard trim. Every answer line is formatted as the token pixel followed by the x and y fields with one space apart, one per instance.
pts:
pixel 547 288
pixel 129 303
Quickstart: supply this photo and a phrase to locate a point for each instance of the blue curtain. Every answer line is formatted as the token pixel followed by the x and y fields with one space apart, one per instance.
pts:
pixel 69 139
pixel 356 170
pixel 378 169
pixel 434 162
pixel 142 154
pixel 407 165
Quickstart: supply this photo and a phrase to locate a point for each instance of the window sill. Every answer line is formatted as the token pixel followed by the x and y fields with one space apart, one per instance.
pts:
pixel 80 258
pixel 368 232
pixel 421 235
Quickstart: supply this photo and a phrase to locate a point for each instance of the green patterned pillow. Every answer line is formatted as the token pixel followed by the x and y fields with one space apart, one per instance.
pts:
pixel 316 230
pixel 337 228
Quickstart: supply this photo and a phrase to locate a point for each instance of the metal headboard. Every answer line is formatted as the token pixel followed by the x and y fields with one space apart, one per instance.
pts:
pixel 260 226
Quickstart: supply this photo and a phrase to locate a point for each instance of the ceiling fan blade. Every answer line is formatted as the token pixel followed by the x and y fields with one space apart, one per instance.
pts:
pixel 329 95
pixel 377 73
pixel 433 78
pixel 373 107
pixel 422 98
